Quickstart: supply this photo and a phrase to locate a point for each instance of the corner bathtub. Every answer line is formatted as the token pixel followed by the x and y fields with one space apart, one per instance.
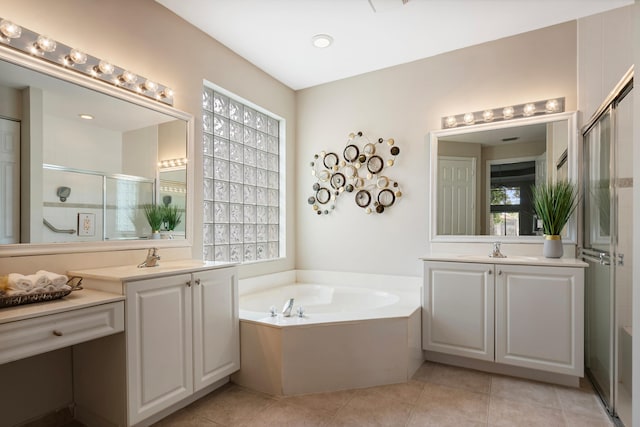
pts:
pixel 360 331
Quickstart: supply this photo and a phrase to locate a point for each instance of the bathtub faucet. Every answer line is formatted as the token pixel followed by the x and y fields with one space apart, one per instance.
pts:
pixel 288 306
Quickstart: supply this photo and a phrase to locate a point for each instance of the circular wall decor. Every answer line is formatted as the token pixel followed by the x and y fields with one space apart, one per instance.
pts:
pixel 359 172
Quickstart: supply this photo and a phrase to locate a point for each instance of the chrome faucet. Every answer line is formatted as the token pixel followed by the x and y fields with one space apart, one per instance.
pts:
pixel 288 306
pixel 152 259
pixel 495 253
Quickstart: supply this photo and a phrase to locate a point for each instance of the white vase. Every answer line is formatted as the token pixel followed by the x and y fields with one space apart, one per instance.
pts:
pixel 155 235
pixel 552 247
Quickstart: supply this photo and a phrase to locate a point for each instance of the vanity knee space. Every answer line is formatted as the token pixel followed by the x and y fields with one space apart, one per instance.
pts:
pixel 527 315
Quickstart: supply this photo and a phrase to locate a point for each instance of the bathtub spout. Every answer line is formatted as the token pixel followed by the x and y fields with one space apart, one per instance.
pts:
pixel 288 306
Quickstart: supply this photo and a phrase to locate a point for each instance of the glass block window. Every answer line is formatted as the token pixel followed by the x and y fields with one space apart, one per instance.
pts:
pixel 241 180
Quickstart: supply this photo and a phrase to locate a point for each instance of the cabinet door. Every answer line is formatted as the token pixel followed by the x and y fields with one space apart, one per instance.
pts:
pixel 458 309
pixel 539 318
pixel 216 325
pixel 159 344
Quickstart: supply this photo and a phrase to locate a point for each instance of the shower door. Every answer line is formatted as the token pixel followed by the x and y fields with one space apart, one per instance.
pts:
pixel 607 241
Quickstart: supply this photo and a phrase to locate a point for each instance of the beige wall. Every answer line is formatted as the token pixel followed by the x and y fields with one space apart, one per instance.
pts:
pixel 150 40
pixel 406 102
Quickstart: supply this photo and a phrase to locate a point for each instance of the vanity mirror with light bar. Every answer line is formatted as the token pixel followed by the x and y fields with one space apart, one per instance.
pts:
pixel 81 157
pixel 481 177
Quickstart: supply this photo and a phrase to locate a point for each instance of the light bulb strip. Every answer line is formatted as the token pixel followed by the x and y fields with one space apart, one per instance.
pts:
pixel 172 163
pixel 548 106
pixel 26 41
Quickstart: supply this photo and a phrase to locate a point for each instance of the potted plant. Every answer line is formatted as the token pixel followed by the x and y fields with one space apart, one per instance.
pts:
pixel 171 217
pixel 554 204
pixel 155 217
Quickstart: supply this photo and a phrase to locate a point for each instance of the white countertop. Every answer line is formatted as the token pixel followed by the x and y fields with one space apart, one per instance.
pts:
pixel 132 272
pixel 514 260
pixel 75 300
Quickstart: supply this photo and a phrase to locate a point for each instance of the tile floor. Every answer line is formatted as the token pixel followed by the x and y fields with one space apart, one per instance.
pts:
pixel 438 395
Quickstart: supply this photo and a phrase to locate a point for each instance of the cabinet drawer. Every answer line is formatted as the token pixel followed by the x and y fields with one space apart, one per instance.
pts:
pixel 29 337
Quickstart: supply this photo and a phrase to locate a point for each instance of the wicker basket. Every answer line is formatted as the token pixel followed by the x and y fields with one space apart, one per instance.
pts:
pixel 74 282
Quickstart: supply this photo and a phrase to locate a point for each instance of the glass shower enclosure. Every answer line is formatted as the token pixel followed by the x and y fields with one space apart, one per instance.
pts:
pixel 607 243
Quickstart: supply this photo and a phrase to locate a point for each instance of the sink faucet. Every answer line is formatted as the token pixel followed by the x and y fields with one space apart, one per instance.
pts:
pixel 495 253
pixel 152 259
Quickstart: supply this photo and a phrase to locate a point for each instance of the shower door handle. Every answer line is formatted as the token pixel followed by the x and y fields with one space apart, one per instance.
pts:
pixel 602 258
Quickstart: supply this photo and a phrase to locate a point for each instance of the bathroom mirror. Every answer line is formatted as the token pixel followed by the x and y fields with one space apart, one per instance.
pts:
pixel 481 177
pixel 63 130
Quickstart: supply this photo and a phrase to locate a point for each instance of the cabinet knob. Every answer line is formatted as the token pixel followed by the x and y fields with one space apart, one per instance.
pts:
pixel 489 272
pixel 197 281
pixel 499 272
pixel 188 283
pixel 57 333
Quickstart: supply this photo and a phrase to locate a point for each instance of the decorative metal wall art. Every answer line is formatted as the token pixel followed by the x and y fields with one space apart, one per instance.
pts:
pixel 361 169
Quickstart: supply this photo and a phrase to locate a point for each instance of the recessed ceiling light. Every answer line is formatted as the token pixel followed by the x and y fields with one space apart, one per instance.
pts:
pixel 86 116
pixel 322 40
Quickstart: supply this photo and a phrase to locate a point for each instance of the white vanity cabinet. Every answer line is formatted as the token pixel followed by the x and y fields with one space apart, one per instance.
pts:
pixel 540 318
pixel 529 316
pixel 458 309
pixel 181 341
pixel 182 335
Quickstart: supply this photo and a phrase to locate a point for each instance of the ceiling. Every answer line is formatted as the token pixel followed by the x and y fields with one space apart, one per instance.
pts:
pixel 275 35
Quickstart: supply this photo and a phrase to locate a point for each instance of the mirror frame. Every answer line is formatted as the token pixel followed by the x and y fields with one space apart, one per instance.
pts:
pixel 53 70
pixel 432 185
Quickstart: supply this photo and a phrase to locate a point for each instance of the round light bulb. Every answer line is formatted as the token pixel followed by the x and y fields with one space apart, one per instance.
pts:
pixel 487 115
pixel 167 93
pixel 128 77
pixel 9 29
pixel 46 44
pixel 104 67
pixel 451 122
pixel 77 57
pixel 551 106
pixel 507 112
pixel 528 110
pixel 149 85
pixel 469 119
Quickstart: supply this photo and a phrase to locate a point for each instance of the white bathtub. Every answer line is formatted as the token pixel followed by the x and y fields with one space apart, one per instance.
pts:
pixel 358 330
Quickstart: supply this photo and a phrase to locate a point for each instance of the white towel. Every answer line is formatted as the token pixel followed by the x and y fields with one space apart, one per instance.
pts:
pixel 39 280
pixel 18 282
pixel 53 288
pixel 57 280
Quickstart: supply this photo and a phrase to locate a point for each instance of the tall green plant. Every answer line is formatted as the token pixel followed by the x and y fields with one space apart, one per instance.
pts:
pixel 554 203
pixel 154 215
pixel 171 217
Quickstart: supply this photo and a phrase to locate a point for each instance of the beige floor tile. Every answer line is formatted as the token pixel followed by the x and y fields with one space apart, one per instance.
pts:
pixel 424 371
pixel 282 413
pixel 505 412
pixel 577 420
pixel 408 392
pixel 329 402
pixel 525 391
pixel 456 377
pixel 231 406
pixel 580 401
pixel 185 418
pixel 372 409
pixel 426 417
pixel 451 403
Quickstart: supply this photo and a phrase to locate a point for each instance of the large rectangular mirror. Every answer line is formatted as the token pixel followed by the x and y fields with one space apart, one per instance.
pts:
pixel 481 177
pixel 78 164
